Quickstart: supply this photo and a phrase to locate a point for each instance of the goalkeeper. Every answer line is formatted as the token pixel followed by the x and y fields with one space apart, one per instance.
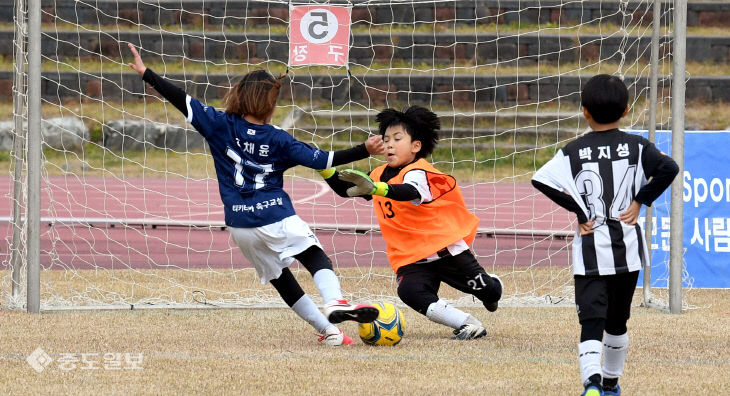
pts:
pixel 424 221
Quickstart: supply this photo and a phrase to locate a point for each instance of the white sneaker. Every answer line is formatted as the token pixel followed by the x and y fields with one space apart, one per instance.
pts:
pixel 338 311
pixel 334 337
pixel 469 332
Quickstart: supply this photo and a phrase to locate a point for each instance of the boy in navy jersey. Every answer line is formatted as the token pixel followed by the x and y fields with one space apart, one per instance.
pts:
pixel 250 157
pixel 604 177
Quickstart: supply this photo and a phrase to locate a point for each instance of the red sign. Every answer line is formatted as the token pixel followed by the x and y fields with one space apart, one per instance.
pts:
pixel 319 35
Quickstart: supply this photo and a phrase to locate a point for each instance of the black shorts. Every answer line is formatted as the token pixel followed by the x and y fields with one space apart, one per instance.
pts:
pixel 605 296
pixel 462 272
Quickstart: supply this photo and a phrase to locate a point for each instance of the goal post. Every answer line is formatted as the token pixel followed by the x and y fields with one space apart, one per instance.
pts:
pixel 678 102
pixel 122 209
pixel 33 145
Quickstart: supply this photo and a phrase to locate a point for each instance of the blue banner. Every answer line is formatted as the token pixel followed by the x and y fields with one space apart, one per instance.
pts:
pixel 706 194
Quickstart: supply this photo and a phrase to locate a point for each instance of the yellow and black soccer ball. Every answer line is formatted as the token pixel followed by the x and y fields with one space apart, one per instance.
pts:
pixel 387 329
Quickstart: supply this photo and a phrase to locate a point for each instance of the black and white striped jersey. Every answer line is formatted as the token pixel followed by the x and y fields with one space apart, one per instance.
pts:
pixel 597 176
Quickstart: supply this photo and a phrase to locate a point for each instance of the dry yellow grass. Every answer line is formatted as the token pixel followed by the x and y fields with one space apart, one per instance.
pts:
pixel 271 351
pixel 241 287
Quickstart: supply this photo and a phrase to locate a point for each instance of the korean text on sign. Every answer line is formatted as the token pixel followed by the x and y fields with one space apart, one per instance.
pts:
pixel 320 35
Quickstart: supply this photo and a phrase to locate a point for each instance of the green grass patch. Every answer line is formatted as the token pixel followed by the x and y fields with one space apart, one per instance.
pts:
pixel 95 160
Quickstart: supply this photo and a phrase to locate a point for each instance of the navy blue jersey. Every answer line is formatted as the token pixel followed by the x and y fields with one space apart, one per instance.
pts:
pixel 250 161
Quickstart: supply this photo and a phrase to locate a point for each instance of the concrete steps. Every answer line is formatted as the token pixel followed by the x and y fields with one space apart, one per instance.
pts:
pixel 252 13
pixel 369 48
pixel 371 90
pixel 237 32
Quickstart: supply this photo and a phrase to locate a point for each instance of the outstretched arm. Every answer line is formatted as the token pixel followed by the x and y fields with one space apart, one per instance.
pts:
pixel 332 177
pixel 373 146
pixel 173 94
pixel 349 183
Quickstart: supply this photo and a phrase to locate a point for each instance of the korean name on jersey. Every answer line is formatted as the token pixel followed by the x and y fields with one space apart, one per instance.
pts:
pixel 603 171
pixel 250 161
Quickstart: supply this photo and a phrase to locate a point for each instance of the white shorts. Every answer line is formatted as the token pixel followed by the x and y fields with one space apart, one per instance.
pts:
pixel 272 247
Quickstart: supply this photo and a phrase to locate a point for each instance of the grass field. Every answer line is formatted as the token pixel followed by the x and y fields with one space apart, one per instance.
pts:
pixel 249 351
pixel 205 287
pixel 252 350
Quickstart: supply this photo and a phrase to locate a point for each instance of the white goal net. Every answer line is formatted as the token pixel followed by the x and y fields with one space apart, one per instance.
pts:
pixel 131 215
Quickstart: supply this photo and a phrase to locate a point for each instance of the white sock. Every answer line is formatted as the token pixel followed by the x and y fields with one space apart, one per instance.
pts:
pixel 443 313
pixel 328 285
pixel 331 329
pixel 614 354
pixel 589 358
pixel 471 320
pixel 307 310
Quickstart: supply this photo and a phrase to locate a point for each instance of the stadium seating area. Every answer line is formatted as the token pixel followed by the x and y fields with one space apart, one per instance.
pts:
pixel 216 31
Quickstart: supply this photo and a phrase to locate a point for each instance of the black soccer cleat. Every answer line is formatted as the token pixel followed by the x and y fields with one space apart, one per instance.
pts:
pixel 469 332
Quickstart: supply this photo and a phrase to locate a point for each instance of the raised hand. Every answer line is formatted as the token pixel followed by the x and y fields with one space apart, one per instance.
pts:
pixel 138 65
pixel 375 145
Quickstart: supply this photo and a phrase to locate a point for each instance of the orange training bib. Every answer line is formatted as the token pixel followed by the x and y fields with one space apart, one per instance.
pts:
pixel 413 232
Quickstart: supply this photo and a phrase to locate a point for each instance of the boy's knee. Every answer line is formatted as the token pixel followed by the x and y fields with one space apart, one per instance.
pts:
pixel 592 329
pixel 616 321
pixel 416 296
pixel 314 259
pixel 616 328
pixel 492 292
pixel 497 288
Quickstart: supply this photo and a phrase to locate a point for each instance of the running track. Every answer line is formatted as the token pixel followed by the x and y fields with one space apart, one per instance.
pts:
pixel 111 244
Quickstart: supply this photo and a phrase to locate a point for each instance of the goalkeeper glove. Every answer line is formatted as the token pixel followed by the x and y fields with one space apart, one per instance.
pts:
pixel 364 185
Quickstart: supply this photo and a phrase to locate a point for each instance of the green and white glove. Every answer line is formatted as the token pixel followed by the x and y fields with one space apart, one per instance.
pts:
pixel 364 185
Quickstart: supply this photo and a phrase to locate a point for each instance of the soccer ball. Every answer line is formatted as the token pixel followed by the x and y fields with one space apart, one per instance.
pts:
pixel 387 329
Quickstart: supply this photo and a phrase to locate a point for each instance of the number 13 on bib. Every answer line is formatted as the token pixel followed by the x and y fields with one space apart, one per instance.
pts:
pixel 319 35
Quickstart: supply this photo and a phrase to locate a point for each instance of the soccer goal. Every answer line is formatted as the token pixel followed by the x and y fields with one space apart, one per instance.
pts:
pixel 117 205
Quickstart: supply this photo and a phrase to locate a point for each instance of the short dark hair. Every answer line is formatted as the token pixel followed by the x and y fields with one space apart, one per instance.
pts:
pixel 255 94
pixel 419 122
pixel 605 97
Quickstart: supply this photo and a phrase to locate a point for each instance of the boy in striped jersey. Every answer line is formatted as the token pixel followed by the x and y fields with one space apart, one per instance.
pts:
pixel 604 177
